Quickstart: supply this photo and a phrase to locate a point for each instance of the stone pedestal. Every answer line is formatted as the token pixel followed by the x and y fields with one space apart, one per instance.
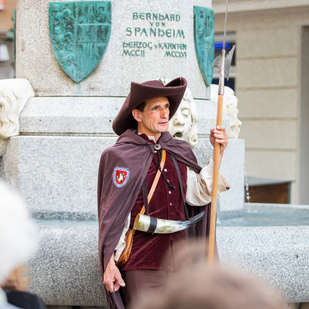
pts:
pixel 66 272
pixel 54 162
pixel 231 203
pixel 148 40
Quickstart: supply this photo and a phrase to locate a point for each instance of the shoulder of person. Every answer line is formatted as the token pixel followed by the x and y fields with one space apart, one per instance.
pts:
pixel 114 152
pixel 182 144
pixel 24 299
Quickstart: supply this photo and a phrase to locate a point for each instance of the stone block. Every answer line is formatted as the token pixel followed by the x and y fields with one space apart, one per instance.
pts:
pixel 69 115
pixel 207 115
pixel 66 272
pixel 61 144
pixel 231 202
pixel 271 253
pixel 59 173
pixel 2 172
pixel 56 173
pixel 116 70
pixel 92 115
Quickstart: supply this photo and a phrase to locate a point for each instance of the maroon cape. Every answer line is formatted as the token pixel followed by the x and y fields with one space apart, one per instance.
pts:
pixel 115 203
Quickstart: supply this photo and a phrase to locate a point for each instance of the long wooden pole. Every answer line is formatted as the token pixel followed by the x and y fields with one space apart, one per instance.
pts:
pixel 213 216
pixel 222 62
pixel 212 231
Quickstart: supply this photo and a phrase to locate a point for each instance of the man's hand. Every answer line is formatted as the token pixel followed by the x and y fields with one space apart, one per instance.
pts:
pixel 112 277
pixel 219 135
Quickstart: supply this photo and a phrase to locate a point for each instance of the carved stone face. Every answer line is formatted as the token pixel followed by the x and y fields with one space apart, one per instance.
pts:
pixel 230 107
pixel 180 124
pixel 183 124
pixel 230 102
pixel 14 93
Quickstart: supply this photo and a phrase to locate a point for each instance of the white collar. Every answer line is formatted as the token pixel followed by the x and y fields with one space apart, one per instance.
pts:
pixel 152 138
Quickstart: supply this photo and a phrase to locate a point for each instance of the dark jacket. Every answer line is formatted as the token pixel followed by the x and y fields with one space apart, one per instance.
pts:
pixel 25 300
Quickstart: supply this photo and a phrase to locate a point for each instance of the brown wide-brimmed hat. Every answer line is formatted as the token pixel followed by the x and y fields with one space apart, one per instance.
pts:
pixel 139 93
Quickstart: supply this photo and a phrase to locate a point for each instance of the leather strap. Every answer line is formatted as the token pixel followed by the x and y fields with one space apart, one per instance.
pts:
pixel 180 185
pixel 155 182
pixel 145 196
pixel 152 225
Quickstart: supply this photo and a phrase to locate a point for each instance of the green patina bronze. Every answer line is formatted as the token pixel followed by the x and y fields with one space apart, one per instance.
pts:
pixel 14 38
pixel 204 41
pixel 79 33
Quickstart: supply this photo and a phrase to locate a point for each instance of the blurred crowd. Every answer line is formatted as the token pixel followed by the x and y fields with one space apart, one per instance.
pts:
pixel 197 285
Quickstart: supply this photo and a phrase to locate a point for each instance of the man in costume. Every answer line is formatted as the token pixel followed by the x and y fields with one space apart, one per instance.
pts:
pixel 126 174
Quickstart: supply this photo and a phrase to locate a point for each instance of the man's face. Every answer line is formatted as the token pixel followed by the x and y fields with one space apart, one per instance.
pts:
pixel 154 119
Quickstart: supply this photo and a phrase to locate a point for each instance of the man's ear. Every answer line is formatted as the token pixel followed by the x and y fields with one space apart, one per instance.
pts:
pixel 136 115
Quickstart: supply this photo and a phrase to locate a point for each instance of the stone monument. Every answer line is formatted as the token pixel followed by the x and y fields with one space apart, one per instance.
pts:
pixel 13 96
pixel 80 58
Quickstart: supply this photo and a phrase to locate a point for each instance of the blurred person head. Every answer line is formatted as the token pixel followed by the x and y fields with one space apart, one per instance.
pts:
pixel 196 285
pixel 17 279
pixel 17 232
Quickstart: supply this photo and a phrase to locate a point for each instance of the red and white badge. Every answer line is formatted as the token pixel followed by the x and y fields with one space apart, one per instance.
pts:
pixel 121 176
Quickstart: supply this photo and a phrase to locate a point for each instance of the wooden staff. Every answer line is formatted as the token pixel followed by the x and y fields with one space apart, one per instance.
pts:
pixel 213 216
pixel 224 65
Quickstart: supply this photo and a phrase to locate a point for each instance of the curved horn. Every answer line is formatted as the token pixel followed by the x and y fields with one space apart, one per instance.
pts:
pixel 154 225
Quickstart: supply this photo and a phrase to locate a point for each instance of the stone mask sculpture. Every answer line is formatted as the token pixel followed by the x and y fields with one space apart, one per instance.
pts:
pixel 14 93
pixel 183 124
pixel 230 107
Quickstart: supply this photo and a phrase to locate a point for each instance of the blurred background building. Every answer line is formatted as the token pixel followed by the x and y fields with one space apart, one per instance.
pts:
pixel 271 78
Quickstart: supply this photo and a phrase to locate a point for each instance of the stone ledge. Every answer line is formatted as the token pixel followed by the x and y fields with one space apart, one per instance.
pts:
pixel 59 173
pixel 277 254
pixel 92 115
pixel 66 272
